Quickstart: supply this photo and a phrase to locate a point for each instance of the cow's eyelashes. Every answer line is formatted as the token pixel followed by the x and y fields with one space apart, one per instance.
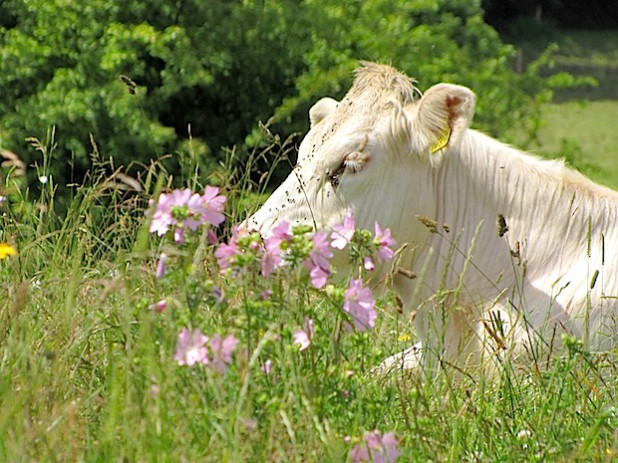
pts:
pixel 353 165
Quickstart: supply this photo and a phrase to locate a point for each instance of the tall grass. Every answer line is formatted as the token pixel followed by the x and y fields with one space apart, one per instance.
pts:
pixel 87 370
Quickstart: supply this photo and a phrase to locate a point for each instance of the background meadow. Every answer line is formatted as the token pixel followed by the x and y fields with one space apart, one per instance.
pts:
pixel 91 364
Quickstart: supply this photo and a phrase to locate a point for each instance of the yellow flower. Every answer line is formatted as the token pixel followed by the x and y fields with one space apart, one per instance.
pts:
pixel 6 250
pixel 404 337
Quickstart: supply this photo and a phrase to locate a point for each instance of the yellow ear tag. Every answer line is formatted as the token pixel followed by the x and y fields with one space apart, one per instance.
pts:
pixel 442 140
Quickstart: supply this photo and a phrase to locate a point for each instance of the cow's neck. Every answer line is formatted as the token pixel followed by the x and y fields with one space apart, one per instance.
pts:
pixel 499 179
pixel 547 208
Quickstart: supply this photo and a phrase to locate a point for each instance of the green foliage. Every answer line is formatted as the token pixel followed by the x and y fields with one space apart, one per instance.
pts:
pixel 434 41
pixel 212 70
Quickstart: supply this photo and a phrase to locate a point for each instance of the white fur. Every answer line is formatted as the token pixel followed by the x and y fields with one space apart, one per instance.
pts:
pixel 535 279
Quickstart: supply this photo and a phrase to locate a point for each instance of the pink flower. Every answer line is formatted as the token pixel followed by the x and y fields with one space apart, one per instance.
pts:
pixel 225 252
pixel 183 209
pixel 283 231
pixel 272 255
pixel 384 241
pixel 368 264
pixel 221 351
pixel 161 265
pixel 175 209
pixel 158 307
pixel 321 250
pixel 179 235
pixel 267 367
pixel 162 217
pixel 195 206
pixel 360 303
pixel 212 237
pixel 318 264
pixel 319 277
pixel 272 248
pixel 343 233
pixel 191 348
pixel 213 205
pixel 376 449
pixel 302 339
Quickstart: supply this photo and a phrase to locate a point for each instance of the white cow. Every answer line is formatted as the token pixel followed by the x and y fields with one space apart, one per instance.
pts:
pixel 517 252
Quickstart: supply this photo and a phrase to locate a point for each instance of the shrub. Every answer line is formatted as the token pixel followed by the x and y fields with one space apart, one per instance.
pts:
pixel 142 78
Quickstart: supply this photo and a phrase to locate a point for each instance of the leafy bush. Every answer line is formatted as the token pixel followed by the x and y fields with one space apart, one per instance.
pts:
pixel 210 71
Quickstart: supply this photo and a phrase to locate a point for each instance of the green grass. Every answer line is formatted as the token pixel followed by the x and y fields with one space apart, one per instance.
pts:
pixel 585 133
pixel 87 370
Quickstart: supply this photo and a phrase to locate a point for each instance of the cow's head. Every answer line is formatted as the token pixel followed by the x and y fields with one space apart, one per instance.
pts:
pixel 374 153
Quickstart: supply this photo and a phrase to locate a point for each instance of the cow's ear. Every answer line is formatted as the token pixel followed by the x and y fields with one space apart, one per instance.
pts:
pixel 443 114
pixel 321 110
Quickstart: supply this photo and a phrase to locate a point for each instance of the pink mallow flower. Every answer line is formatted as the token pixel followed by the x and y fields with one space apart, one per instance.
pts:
pixel 213 205
pixel 158 307
pixel 303 337
pixel 161 265
pixel 183 209
pixel 319 276
pixel 360 303
pixel 271 259
pixel 221 350
pixel 368 264
pixel 318 264
pixel 225 252
pixel 212 237
pixel 267 367
pixel 283 231
pixel 343 233
pixel 376 449
pixel 191 348
pixel 384 241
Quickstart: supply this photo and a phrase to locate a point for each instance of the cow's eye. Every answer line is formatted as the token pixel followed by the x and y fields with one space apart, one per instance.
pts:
pixel 352 164
pixel 335 175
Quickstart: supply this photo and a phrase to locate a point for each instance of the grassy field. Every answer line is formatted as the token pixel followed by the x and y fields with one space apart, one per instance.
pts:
pixel 586 134
pixel 93 368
